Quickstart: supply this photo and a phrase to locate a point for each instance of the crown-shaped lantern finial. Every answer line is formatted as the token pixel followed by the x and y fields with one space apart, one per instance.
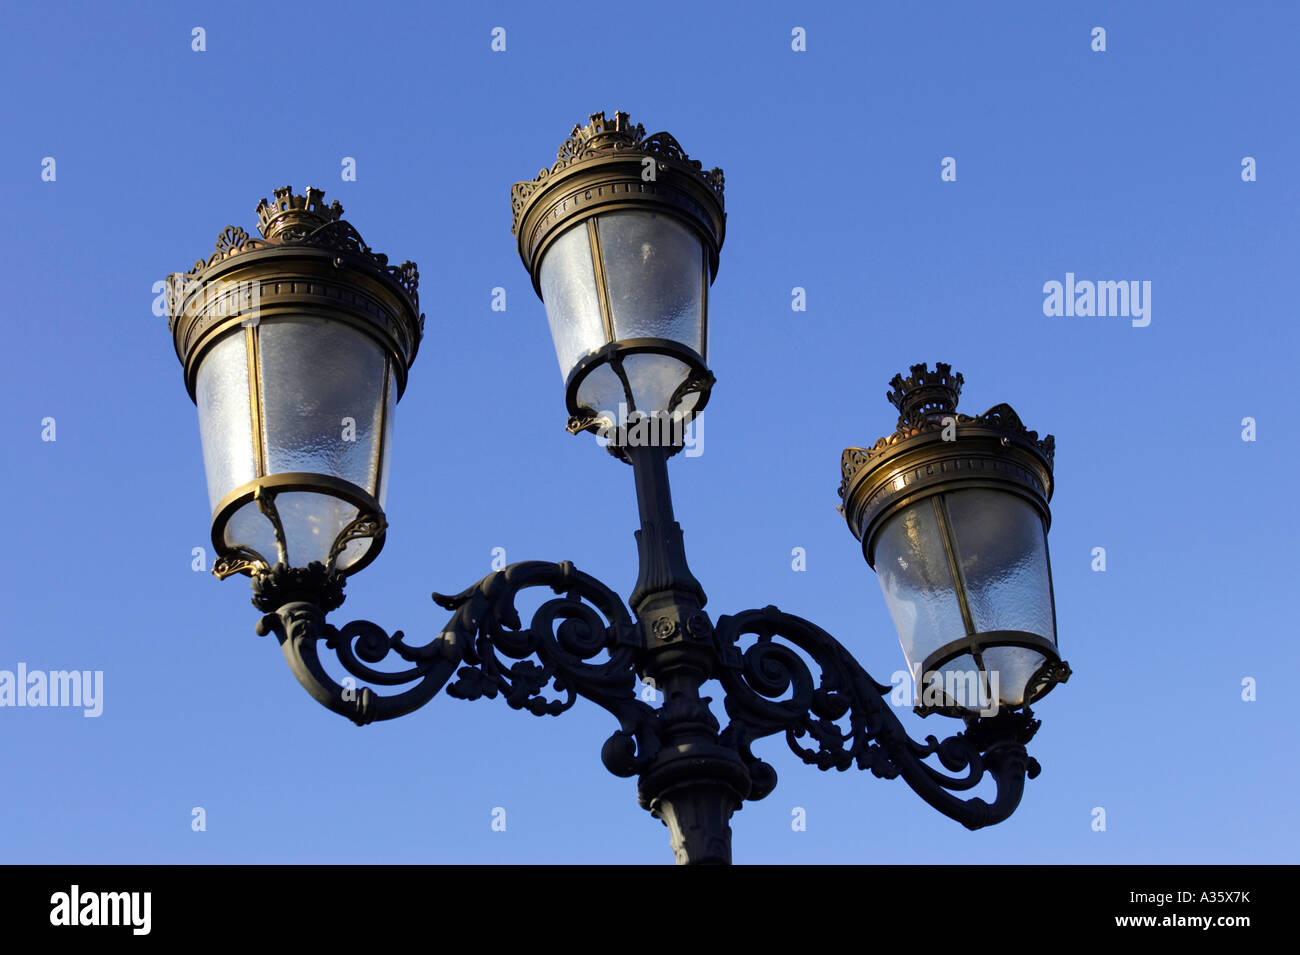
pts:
pixel 600 133
pixel 294 217
pixel 925 393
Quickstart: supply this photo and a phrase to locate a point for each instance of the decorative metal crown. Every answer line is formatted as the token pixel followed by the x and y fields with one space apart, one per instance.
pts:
pixel 601 138
pixel 925 393
pixel 300 215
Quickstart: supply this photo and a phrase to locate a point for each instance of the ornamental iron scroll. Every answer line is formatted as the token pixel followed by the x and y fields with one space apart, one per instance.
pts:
pixel 837 719
pixel 484 647
pixel 873 739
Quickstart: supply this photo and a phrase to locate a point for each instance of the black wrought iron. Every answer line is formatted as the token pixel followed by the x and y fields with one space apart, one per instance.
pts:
pixel 780 674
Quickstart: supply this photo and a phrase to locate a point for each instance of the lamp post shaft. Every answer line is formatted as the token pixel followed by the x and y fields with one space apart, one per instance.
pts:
pixel 694 783
pixel 663 571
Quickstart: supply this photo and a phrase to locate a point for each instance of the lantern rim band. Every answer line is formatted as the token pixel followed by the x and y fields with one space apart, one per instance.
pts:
pixel 614 184
pixel 297 280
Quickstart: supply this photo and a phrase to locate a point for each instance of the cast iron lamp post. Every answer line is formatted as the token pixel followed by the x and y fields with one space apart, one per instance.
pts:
pixel 297 345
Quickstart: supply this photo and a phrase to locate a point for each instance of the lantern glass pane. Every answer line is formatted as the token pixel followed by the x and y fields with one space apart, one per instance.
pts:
pixel 602 392
pixel 322 390
pixel 654 270
pixel 654 378
pixel 248 527
pixel 311 521
pixel 1014 667
pixel 1003 680
pixel 960 683
pixel 1002 547
pixel 912 564
pixel 568 284
pixel 353 552
pixel 225 421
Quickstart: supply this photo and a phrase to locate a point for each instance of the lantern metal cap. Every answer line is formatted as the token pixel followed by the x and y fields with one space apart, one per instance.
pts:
pixel 602 167
pixel 935 449
pixel 308 260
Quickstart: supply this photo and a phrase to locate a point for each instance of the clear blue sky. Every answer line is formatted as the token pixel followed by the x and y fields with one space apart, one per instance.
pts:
pixel 1122 165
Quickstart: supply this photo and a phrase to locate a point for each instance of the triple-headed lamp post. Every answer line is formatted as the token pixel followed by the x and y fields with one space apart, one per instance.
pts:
pixel 296 348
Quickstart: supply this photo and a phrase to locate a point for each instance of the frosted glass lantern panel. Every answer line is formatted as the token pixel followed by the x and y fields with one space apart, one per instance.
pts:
pixel 602 392
pixel 311 521
pixel 249 528
pixel 1002 547
pixel 961 683
pixel 568 283
pixel 912 565
pixel 654 378
pixel 654 270
pixel 1014 668
pixel 1002 680
pixel 322 399
pixel 225 421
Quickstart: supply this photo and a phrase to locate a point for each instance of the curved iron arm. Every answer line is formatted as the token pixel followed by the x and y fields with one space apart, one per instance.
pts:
pixel 300 626
pixel 565 634
pixel 489 652
pixel 874 738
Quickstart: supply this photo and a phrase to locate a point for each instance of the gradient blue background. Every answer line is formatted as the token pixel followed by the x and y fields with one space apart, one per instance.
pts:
pixel 1117 165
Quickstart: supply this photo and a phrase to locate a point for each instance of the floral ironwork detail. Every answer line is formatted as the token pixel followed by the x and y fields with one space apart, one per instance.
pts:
pixel 840 720
pixel 486 649
pixel 233 239
pixel 837 719
pixel 242 560
pixel 564 634
pixel 362 526
pixel 276 586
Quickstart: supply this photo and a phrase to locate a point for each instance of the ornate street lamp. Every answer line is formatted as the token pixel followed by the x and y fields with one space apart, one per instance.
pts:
pixel 296 348
pixel 621 238
pixel 952 514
